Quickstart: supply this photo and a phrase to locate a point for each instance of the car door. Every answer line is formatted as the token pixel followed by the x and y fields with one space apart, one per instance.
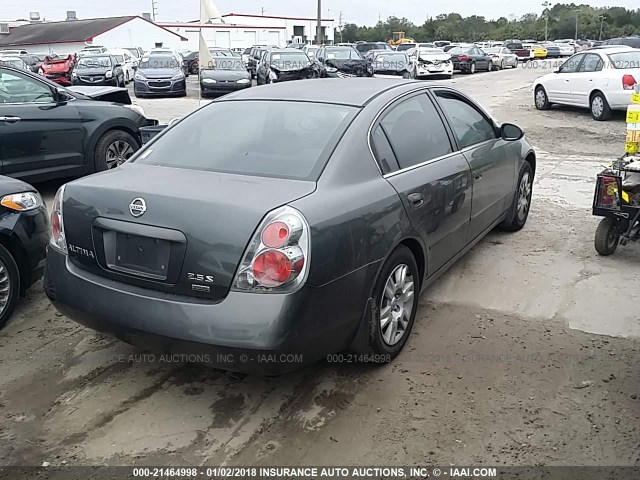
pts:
pixel 480 58
pixel 416 154
pixel 37 134
pixel 558 85
pixel 586 79
pixel 492 159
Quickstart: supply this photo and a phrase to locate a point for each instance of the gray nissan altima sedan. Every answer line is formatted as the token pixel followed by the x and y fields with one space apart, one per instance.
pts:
pixel 284 223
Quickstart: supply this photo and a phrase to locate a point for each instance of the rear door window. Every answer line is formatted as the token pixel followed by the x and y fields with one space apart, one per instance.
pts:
pixel 415 131
pixel 288 139
pixel 591 63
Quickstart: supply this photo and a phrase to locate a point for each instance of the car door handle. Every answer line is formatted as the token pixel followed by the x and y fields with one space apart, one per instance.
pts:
pixel 415 199
pixel 477 176
pixel 10 119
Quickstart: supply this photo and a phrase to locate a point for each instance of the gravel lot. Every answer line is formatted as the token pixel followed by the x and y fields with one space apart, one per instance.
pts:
pixel 526 352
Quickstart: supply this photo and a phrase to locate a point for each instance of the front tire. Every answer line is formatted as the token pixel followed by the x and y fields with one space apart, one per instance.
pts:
pixel 395 294
pixel 607 237
pixel 519 211
pixel 540 99
pixel 490 66
pixel 9 285
pixel 599 107
pixel 113 149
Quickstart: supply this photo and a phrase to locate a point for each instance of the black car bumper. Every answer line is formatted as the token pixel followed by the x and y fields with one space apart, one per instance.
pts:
pixel 160 87
pixel 26 236
pixel 341 74
pixel 256 333
pixel 222 88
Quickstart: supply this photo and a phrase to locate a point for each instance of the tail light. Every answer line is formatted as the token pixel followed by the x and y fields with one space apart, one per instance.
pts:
pixel 58 240
pixel 607 192
pixel 463 58
pixel 277 258
pixel 628 82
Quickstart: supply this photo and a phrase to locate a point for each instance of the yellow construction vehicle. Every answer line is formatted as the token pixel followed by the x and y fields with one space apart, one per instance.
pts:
pixel 398 38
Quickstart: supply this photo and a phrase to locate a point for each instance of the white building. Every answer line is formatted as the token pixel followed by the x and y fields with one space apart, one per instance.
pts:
pixel 242 31
pixel 72 35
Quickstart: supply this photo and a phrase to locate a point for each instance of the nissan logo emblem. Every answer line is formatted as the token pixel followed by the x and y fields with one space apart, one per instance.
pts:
pixel 137 207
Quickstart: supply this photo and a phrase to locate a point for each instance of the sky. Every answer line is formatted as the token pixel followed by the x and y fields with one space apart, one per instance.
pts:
pixel 361 12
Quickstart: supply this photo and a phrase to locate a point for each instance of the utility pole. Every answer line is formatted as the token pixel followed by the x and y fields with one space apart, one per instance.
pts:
pixel 340 26
pixel 546 20
pixel 154 9
pixel 262 11
pixel 577 16
pixel 601 25
pixel 319 27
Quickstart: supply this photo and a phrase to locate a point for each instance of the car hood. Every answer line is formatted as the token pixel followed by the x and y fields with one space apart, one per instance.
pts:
pixel 225 75
pixel 347 65
pixel 10 185
pixel 159 72
pixel 104 94
pixel 433 57
pixel 92 71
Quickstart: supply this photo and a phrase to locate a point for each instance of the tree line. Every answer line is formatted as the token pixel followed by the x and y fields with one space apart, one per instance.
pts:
pixel 559 21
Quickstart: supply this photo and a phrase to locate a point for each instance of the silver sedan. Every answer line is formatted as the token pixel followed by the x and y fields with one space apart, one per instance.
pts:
pixel 502 57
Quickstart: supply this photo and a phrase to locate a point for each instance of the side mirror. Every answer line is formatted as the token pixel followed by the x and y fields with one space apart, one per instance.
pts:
pixel 511 132
pixel 61 95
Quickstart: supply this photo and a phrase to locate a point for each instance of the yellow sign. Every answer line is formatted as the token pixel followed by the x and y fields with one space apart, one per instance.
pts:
pixel 631 147
pixel 635 97
pixel 633 117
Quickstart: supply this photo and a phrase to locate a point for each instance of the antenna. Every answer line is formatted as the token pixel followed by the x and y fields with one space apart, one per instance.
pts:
pixel 154 9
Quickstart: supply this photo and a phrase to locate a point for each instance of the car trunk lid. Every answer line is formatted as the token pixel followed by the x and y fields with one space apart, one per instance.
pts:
pixel 174 230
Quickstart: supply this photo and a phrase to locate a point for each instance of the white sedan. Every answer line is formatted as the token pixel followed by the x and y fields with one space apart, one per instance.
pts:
pixel 502 57
pixel 601 80
pixel 430 62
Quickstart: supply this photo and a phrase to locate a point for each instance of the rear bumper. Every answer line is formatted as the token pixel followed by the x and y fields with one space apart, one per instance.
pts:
pixel 254 333
pixel 433 70
pixel 619 100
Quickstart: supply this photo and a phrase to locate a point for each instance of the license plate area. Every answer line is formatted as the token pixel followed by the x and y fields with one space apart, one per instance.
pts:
pixel 133 250
pixel 137 255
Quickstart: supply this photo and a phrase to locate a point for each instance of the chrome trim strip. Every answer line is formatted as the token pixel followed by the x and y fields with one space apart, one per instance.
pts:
pixel 418 165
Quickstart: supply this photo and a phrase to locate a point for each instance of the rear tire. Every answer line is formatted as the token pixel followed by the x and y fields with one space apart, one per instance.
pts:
pixel 395 295
pixel 599 107
pixel 515 65
pixel 607 237
pixel 9 285
pixel 113 149
pixel 490 66
pixel 521 205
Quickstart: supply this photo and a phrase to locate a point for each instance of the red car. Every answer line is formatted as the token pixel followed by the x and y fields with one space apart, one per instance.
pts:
pixel 58 68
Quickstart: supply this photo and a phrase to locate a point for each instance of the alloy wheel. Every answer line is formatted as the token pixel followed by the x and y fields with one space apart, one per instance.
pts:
pixel 397 304
pixel 524 193
pixel 118 153
pixel 5 287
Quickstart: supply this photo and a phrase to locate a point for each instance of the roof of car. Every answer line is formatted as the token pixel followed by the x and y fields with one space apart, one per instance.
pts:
pixel 613 49
pixel 356 92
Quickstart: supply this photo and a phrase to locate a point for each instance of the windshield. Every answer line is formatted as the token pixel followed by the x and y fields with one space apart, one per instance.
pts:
pixel 365 47
pixel 134 51
pixel 228 64
pixel 221 53
pixel 14 62
pixel 94 62
pixel 289 60
pixel 459 50
pixel 119 58
pixel 492 50
pixel 247 51
pixel 390 57
pixel 343 54
pixel 625 59
pixel 159 61
pixel 288 139
pixel 405 46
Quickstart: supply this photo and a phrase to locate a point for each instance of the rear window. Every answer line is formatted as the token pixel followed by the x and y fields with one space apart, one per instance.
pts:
pixel 287 139
pixel 625 60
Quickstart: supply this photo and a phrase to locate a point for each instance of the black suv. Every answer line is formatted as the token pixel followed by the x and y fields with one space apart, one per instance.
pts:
pixel 48 131
pixel 628 41
pixel 254 58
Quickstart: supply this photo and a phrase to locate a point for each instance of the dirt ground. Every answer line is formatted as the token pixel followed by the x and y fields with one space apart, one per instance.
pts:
pixel 526 352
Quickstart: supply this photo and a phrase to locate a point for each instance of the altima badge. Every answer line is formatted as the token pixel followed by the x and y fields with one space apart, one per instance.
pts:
pixel 137 207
